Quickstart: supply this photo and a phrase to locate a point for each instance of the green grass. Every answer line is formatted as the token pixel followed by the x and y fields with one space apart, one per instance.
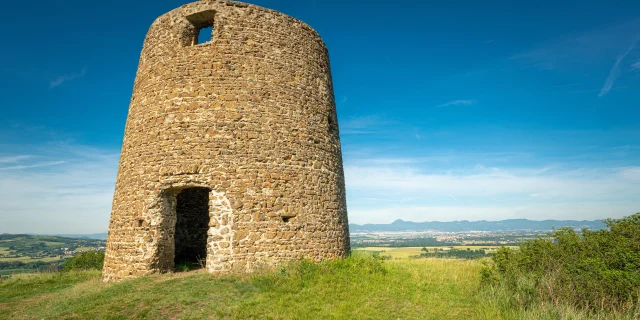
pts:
pixel 503 300
pixel 28 259
pixel 360 287
pixel 5 272
pixel 394 252
pixel 20 287
pixel 401 253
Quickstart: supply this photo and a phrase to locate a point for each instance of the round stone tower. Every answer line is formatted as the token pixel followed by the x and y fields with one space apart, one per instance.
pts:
pixel 231 156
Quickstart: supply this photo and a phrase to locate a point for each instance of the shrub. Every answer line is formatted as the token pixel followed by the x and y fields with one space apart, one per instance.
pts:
pixel 594 271
pixel 91 260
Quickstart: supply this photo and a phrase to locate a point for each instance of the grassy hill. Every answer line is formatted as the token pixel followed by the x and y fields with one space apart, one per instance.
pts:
pixel 361 287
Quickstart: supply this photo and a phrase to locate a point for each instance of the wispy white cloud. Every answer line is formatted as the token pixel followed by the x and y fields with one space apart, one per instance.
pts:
pixel 636 65
pixel 37 165
pixel 68 77
pixel 388 60
pixel 614 73
pixel 631 173
pixel 583 48
pixel 449 159
pixel 363 124
pixel 13 159
pixel 417 191
pixel 68 190
pixel 466 102
pixel 482 182
pixel 586 51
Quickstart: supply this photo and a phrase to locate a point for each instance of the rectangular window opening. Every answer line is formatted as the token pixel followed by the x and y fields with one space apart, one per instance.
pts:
pixel 204 35
pixel 202 28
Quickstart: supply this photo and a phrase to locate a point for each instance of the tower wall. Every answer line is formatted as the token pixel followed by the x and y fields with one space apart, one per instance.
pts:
pixel 249 115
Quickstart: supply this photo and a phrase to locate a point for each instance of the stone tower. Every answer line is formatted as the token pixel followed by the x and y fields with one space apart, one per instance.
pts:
pixel 231 155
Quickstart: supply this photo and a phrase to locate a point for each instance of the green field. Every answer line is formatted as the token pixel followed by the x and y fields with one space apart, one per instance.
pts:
pixel 400 253
pixel 395 253
pixel 54 244
pixel 6 272
pixel 28 259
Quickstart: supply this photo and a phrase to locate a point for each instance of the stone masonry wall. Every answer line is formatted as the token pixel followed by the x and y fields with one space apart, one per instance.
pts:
pixel 250 116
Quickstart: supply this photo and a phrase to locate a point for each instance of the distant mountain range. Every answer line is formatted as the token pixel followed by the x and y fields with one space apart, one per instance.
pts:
pixel 483 225
pixel 454 226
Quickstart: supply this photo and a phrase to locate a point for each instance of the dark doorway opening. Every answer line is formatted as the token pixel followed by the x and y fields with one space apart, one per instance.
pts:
pixel 192 224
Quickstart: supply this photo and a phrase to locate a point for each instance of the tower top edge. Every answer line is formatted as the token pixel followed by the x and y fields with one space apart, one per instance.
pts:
pixel 225 5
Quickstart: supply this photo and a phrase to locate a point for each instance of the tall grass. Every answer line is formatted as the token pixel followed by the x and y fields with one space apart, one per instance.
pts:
pixel 522 304
pixel 595 274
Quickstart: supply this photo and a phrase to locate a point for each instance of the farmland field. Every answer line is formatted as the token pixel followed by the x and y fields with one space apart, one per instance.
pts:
pixel 54 244
pixel 28 259
pixel 400 253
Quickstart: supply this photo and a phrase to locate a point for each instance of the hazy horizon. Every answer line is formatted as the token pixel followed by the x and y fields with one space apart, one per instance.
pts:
pixel 361 224
pixel 447 111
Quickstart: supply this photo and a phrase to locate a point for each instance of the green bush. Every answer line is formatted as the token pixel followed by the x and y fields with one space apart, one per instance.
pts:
pixel 91 260
pixel 594 271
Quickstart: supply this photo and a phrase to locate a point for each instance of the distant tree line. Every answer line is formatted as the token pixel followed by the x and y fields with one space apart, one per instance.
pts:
pixel 35 266
pixel 454 253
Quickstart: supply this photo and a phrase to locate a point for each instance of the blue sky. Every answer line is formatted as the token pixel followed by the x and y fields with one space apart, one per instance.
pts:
pixel 448 110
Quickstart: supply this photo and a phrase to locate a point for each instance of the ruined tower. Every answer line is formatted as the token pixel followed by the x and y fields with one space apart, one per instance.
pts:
pixel 231 155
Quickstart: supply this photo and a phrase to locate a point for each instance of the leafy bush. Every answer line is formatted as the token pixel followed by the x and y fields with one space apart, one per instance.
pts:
pixel 90 260
pixel 594 271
